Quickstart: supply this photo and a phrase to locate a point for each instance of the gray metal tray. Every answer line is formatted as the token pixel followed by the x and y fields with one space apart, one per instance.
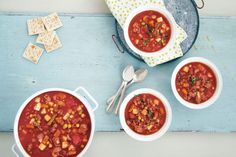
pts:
pixel 186 15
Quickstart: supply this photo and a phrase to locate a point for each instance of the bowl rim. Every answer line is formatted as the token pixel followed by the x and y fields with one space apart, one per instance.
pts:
pixel 159 133
pixel 219 83
pixel 159 9
pixel 25 103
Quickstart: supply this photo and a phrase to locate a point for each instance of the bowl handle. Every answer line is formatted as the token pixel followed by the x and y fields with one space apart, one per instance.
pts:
pixel 82 89
pixel 14 150
pixel 197 6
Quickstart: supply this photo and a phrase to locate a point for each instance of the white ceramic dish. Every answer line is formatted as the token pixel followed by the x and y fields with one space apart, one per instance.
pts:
pixel 163 129
pixel 219 83
pixel 74 93
pixel 169 17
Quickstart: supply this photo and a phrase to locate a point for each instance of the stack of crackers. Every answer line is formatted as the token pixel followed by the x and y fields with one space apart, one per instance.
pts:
pixel 45 28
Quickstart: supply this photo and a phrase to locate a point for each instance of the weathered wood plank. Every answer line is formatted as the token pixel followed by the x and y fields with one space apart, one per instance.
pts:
pixel 90 59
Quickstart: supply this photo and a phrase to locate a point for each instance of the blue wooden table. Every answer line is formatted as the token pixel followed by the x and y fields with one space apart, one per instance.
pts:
pixel 89 58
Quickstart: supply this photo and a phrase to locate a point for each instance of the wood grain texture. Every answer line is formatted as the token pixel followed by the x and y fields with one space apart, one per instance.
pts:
pixel 89 58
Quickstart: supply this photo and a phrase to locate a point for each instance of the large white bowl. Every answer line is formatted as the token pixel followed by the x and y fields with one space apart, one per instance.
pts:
pixel 219 83
pixel 153 136
pixel 161 10
pixel 74 93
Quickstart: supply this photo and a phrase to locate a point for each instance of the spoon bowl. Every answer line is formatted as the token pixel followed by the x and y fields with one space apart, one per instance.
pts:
pixel 139 75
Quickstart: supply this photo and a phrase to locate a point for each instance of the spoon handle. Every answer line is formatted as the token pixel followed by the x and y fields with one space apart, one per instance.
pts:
pixel 113 96
pixel 121 98
pixel 112 102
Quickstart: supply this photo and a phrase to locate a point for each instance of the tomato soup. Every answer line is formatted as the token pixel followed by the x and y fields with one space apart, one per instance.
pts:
pixel 149 31
pixel 54 124
pixel 196 82
pixel 145 114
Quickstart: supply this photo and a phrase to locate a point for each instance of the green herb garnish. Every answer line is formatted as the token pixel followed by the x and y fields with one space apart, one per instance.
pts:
pixel 193 80
pixel 150 114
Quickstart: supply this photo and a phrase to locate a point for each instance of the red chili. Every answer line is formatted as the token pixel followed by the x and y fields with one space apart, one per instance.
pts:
pixel 54 124
pixel 196 82
pixel 145 114
pixel 149 31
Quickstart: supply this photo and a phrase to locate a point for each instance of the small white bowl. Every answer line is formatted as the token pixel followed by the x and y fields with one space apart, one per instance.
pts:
pixel 153 136
pixel 161 10
pixel 219 83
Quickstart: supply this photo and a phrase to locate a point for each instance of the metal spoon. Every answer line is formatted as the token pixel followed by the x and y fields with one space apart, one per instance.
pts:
pixel 127 77
pixel 139 76
pixel 128 73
